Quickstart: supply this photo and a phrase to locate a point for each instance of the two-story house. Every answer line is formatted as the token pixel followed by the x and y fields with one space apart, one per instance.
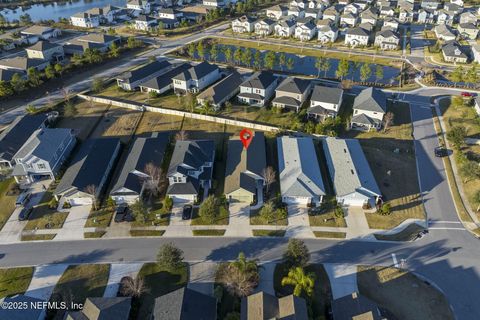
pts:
pixel 284 28
pixel 133 79
pixel 313 13
pixel 387 40
pixel 258 89
pixel 325 102
pixel 139 6
pixel 468 17
pixel 357 37
pixel 390 23
pixel 145 23
pixel 85 20
pixel 264 27
pixel 348 20
pixel 190 169
pixel 296 12
pixel 305 32
pixel 43 154
pixel 244 24
pixel 468 30
pixel 327 34
pixel 196 78
pixel 426 16
pixel 443 32
pixel 46 50
pixel 370 15
pixel 276 12
pixel 369 109
pixel 292 93
pixel 40 32
pixel 331 13
pixel 452 51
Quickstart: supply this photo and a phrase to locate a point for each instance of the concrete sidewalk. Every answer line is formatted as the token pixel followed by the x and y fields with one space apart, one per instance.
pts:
pixel 343 279
pixel 117 272
pixel 44 280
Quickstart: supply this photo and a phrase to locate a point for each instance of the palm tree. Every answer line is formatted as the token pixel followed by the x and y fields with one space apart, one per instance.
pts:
pixel 240 277
pixel 300 281
pixel 244 265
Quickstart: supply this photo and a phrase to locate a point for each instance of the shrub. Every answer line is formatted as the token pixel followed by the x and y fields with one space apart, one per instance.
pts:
pixel 384 210
pixel 297 254
pixel 168 203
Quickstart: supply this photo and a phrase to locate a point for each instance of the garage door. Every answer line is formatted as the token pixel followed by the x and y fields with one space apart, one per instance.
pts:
pixel 80 201
pixel 237 198
pixel 354 202
pixel 295 200
pixel 182 198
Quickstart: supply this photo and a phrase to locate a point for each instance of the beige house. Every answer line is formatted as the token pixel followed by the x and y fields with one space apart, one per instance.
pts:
pixel 46 50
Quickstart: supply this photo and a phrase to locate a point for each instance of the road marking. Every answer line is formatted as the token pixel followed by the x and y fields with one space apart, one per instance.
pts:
pixel 447 228
pixel 395 262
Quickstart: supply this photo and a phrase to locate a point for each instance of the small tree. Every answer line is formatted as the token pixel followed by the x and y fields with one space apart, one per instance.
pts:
pixel 342 69
pixel 132 287
pixel 301 281
pixel 269 177
pixel 152 182
pixel 365 72
pixel 239 277
pixel 457 135
pixel 98 84
pixel 110 203
pixel 69 109
pixel 168 203
pixel 34 77
pixel 50 72
pixel 270 59
pixel 114 50
pixel 470 171
pixel 170 257
pixel 209 209
pixel 181 135
pixel 290 63
pixel 92 190
pixel 296 254
pixel 387 120
pixel 268 212
pixel 139 211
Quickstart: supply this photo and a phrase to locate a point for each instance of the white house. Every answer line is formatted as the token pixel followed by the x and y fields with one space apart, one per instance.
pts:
pixel 243 24
pixel 445 17
pixel 145 23
pixel 85 20
pixel 348 19
pixel 139 6
pixel 43 154
pixel 306 31
pixel 468 17
pixel 476 52
pixel 296 12
pixel 45 50
pixel 284 28
pixel 196 78
pixel 453 52
pixel 332 14
pixel 264 27
pixel 169 13
pixel 258 89
pixel 370 15
pixel 353 180
pixel 369 109
pixel 325 102
pixel 443 32
pixel 387 40
pixel 276 12
pixel 301 181
pixel 357 37
pixel 41 32
pixel 390 23
pixel 468 30
pixel 327 34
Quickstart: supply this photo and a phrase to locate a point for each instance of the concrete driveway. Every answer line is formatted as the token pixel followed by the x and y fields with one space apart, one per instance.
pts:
pixel 202 277
pixel 298 224
pixel 178 227
pixel 117 272
pixel 239 223
pixel 343 279
pixel 73 227
pixel 44 279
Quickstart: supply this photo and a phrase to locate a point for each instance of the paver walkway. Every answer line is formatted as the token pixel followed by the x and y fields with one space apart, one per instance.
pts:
pixel 44 280
pixel 298 224
pixel 72 228
pixel 202 277
pixel 343 279
pixel 239 223
pixel 266 278
pixel 117 272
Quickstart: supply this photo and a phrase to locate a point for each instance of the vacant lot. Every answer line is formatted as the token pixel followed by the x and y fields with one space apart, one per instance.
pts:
pixel 391 156
pixel 152 122
pixel 14 281
pixel 118 122
pixel 7 202
pixel 403 294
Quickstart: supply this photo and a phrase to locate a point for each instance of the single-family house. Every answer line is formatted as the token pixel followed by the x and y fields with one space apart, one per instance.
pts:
pixel 85 20
pixel 430 4
pixel 102 308
pixel 46 50
pixel 476 52
pixel 244 179
pixel 7 75
pixel 390 23
pixel 41 32
pixel 262 305
pixel 145 23
pixel 352 8
pixel 244 24
pixel 327 34
pixel 296 12
pixel 298 3
pixel 332 14
pixel 163 83
pixel 276 12
pixel 99 41
pixel 387 11
pixel 406 15
pixel 140 169
pixel 369 108
pixel 357 37
pixel 32 308
pixel 185 304
pixel 106 14
pixel 190 169
pixel 170 13
pixel 215 3
pixel 305 32
pixel 17 133
pixel 43 154
pixel 222 91
pixel 387 40
pixel 292 93
pixel 132 80
pixel 355 306
pixel 258 89
pixel 350 173
pixel 453 8
pixel 196 78
pixel 445 17
pixel 468 30
pixel 139 6
pixel 89 170
pixel 452 51
pixel 348 20
pixel 370 15
pixel 284 28
pixel 425 16
pixel 468 17
pixel 313 13
pixel 325 102
pixel 22 64
pixel 301 180
pixel 264 27
pixel 443 32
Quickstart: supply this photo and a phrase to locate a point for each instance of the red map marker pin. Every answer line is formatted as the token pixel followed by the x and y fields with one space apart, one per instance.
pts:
pixel 246 137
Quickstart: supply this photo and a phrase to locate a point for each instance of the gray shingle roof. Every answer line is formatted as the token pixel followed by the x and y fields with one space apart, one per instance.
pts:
pixel 299 169
pixel 294 85
pixel 358 32
pixel 453 49
pixel 27 313
pixel 222 89
pixel 185 304
pixel 144 71
pixel 191 154
pixel 262 305
pixel 197 72
pixel 260 80
pixel 165 79
pixel 37 30
pixel 326 94
pixel 22 63
pixel 355 305
pixel 350 172
pixel 43 143
pixel 43 45
pixel 97 38
pixel 111 308
pixel 371 99
pixel 6 75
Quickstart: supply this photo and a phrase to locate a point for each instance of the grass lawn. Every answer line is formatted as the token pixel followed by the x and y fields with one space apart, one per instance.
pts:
pixel 156 209
pixel 327 217
pixel 403 294
pixel 42 215
pixel 15 280
pixel 118 122
pixel 256 219
pixel 322 295
pixel 222 218
pixel 7 203
pixel 391 156
pixel 37 237
pixel 99 218
pixel 407 234
pixel 268 233
pixel 152 122
pixel 95 234
pixel 147 233
pixel 158 282
pixel 82 281
pixel 330 234
pixel 462 115
pixel 210 232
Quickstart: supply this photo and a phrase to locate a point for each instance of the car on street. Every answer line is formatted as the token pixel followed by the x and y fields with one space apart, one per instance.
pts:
pixel 441 152
pixel 467 94
pixel 23 198
pixel 187 212
pixel 24 214
pixel 121 212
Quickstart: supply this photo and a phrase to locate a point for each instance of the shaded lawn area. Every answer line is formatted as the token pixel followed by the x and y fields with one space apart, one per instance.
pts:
pixel 147 233
pixel 209 232
pixel 268 233
pixel 158 282
pixel 391 156
pixel 82 281
pixel 462 115
pixel 221 219
pixel 7 202
pixel 37 237
pixel 407 234
pixel 322 295
pixel 257 219
pixel 99 218
pixel 330 234
pixel 156 208
pixel 152 122
pixel 42 215
pixel 272 161
pixel 228 303
pixel 117 122
pixel 15 280
pixel 403 294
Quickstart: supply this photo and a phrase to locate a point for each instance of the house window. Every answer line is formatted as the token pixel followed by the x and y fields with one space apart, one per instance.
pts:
pixel 41 166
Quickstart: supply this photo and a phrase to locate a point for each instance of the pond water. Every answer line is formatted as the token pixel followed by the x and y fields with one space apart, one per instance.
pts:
pixel 306 65
pixel 57 10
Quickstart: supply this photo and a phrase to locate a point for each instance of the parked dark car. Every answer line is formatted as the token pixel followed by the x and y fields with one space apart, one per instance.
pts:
pixel 441 152
pixel 121 212
pixel 187 212
pixel 24 214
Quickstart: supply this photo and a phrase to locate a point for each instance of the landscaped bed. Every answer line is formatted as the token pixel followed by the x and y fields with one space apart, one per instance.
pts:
pixel 325 215
pixel 15 280
pixel 403 294
pixel 268 233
